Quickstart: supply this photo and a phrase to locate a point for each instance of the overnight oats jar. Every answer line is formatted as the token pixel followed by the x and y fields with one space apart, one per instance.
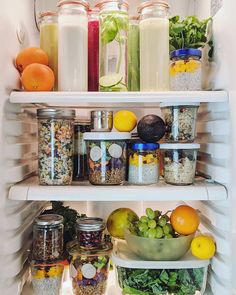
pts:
pixel 143 163
pixel 186 70
pixel 55 148
pixel 180 120
pixel 107 157
pixel 179 162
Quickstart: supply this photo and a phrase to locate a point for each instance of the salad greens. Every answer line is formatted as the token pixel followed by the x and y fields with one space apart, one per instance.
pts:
pixel 160 282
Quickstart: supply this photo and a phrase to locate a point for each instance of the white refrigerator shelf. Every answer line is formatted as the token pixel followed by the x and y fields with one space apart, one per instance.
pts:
pixel 83 191
pixel 115 99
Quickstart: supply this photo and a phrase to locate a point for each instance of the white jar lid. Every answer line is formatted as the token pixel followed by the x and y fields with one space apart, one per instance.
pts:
pixel 106 136
pixel 180 146
pixel 173 104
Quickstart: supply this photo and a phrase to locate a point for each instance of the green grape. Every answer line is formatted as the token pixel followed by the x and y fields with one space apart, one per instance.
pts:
pixel 168 236
pixel 159 232
pixel 144 219
pixel 150 213
pixel 162 221
pixel 152 223
pixel 145 234
pixel 152 233
pixel 143 227
pixel 166 217
pixel 157 213
pixel 166 229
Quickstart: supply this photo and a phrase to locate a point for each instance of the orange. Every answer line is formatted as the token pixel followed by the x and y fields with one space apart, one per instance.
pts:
pixel 185 220
pixel 37 77
pixel 29 56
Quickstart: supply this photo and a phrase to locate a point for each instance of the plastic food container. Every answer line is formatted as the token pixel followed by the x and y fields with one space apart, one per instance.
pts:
pixel 143 163
pixel 186 70
pixel 179 162
pixel 107 157
pixel 158 249
pixel 135 276
pixel 180 120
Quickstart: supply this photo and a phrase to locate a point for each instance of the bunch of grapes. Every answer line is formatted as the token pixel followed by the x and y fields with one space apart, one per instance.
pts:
pixel 153 225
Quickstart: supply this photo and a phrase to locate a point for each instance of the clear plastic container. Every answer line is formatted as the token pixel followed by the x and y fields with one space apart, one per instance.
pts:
pixel 187 276
pixel 186 70
pixel 143 163
pixel 180 120
pixel 107 157
pixel 179 162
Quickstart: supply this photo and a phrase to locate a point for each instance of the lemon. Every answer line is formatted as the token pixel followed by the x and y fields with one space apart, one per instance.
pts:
pixel 125 121
pixel 203 247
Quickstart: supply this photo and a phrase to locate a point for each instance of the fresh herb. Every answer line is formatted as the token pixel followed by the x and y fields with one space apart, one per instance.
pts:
pixel 160 282
pixel 189 33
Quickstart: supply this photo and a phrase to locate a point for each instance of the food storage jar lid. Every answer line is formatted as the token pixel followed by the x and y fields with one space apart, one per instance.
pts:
pixel 107 136
pixel 90 224
pixel 55 113
pixel 152 2
pixel 123 257
pixel 186 52
pixel 75 2
pixel 145 146
pixel 48 13
pixel 98 114
pixel 173 104
pixel 49 219
pixel 179 146
pixel 122 3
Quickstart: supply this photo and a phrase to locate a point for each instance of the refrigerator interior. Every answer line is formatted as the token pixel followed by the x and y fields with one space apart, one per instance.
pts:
pixel 18 151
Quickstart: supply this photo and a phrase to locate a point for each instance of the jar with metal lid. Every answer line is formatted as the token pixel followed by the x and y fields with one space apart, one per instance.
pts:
pixel 49 39
pixel 114 23
pixel 154 45
pixel 143 163
pixel 48 231
pixel 90 232
pixel 55 146
pixel 101 121
pixel 73 45
pixel 186 70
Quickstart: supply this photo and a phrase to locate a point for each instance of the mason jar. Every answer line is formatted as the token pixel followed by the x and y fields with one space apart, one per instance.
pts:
pixel 154 46
pixel 73 45
pixel 55 146
pixel 114 25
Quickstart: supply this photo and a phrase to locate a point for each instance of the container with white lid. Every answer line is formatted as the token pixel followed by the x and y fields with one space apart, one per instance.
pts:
pixel 159 274
pixel 107 157
pixel 179 162
pixel 180 120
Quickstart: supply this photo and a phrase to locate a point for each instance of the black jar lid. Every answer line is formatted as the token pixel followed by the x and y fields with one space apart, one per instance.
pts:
pixel 49 220
pixel 90 224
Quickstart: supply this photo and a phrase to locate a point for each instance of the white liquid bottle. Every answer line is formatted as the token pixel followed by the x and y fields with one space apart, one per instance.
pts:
pixel 73 46
pixel 154 46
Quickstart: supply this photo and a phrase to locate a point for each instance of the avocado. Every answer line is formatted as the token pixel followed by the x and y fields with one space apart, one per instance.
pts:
pixel 151 128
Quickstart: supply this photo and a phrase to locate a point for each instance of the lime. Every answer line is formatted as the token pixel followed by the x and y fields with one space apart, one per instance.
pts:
pixel 110 80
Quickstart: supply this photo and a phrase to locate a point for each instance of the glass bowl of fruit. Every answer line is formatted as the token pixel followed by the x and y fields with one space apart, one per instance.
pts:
pixel 153 238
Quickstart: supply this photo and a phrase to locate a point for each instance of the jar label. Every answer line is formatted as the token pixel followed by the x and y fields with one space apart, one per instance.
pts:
pixel 88 271
pixel 115 150
pixel 95 153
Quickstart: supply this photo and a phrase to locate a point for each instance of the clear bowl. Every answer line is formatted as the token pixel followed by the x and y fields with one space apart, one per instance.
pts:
pixel 158 249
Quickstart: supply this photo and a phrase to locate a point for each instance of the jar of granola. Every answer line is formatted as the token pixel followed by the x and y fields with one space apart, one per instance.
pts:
pixel 186 70
pixel 55 138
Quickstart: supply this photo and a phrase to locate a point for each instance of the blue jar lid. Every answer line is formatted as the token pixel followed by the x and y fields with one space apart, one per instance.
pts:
pixel 186 52
pixel 145 146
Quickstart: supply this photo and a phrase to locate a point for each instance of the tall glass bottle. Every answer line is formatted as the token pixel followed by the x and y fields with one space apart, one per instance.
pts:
pixel 73 45
pixel 49 39
pixel 154 46
pixel 114 23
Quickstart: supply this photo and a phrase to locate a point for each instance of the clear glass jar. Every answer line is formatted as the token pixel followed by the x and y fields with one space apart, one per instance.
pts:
pixel 48 231
pixel 180 120
pixel 93 50
pixel 154 46
pixel 114 23
pixel 73 45
pixel 49 40
pixel 55 146
pixel 80 155
pixel 186 70
pixel 107 157
pixel 133 55
pixel 90 232
pixel 143 163
pixel 179 162
pixel 89 269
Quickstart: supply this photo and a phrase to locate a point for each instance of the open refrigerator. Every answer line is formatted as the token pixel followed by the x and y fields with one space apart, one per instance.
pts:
pixel 22 199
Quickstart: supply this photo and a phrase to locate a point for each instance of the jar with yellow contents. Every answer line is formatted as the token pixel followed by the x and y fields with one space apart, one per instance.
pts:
pixel 144 163
pixel 186 70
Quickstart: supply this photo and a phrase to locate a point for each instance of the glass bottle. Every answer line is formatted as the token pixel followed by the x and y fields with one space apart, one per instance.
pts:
pixel 154 46
pixel 93 50
pixel 133 55
pixel 73 46
pixel 114 23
